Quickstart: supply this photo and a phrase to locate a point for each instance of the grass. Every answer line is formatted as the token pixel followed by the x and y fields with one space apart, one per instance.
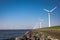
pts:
pixel 53 31
pixel 52 27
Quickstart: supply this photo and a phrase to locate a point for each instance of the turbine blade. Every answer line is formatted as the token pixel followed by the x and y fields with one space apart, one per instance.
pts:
pixel 46 10
pixel 53 9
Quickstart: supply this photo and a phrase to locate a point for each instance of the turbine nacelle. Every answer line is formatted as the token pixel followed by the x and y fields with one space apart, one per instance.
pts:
pixel 49 11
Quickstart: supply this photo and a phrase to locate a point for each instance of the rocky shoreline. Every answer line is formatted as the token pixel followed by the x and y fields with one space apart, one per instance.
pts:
pixel 31 35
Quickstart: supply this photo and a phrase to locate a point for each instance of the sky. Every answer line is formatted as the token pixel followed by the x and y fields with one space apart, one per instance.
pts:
pixel 27 14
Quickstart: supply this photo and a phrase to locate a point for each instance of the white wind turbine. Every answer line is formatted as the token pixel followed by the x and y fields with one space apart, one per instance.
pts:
pixel 36 25
pixel 49 12
pixel 40 23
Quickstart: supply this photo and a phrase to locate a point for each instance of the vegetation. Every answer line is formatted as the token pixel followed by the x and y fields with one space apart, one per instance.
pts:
pixel 53 31
pixel 52 27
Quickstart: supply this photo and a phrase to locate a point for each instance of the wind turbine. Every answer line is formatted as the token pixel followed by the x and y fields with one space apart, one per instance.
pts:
pixel 49 12
pixel 36 25
pixel 40 23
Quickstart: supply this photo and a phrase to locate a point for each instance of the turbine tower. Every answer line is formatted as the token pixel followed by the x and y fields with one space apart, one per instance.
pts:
pixel 40 22
pixel 40 25
pixel 49 12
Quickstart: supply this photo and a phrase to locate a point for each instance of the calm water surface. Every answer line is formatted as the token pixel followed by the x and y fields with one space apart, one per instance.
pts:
pixel 4 34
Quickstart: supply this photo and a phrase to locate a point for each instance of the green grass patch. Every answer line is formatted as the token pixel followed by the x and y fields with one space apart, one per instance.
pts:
pixel 53 31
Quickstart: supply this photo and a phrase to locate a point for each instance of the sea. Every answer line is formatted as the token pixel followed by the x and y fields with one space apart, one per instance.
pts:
pixel 7 34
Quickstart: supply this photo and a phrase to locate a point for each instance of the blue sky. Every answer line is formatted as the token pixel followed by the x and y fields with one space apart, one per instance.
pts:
pixel 24 14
